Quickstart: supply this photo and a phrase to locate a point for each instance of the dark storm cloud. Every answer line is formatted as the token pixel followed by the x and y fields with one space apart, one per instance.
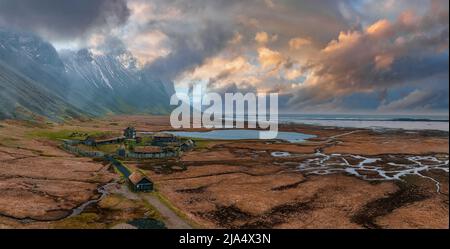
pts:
pixel 113 46
pixel 199 34
pixel 385 55
pixel 206 27
pixel 343 55
pixel 188 51
pixel 422 97
pixel 62 19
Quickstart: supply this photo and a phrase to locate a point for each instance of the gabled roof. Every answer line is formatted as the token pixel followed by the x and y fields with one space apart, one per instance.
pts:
pixel 137 177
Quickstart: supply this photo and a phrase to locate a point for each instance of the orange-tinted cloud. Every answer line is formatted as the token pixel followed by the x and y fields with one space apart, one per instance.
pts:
pixel 297 43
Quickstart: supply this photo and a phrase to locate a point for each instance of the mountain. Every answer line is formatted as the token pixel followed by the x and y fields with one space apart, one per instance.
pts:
pixel 34 58
pixel 33 75
pixel 114 82
pixel 22 98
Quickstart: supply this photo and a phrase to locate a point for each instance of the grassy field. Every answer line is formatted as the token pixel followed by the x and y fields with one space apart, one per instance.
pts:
pixel 108 148
pixel 65 134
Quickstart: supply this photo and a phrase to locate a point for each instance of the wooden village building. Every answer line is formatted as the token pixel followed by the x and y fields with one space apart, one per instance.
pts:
pixel 140 183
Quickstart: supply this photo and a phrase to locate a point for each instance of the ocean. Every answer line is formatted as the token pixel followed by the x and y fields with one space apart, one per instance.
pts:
pixel 406 122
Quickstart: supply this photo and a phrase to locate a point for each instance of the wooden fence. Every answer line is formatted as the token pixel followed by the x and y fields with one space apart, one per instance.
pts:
pixel 80 152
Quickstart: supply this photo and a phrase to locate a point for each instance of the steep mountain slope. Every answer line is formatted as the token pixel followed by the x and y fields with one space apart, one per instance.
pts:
pixel 34 58
pixel 96 84
pixel 113 83
pixel 21 97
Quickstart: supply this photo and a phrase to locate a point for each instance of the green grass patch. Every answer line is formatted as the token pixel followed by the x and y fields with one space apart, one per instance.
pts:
pixel 57 135
pixel 65 134
pixel 201 143
pixel 108 148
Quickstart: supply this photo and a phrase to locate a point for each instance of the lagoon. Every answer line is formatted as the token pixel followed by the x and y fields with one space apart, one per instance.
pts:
pixel 241 134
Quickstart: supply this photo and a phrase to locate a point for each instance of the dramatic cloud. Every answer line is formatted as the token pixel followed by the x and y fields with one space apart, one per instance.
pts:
pixel 320 55
pixel 385 55
pixel 428 95
pixel 297 43
pixel 62 19
pixel 418 99
pixel 269 58
pixel 263 38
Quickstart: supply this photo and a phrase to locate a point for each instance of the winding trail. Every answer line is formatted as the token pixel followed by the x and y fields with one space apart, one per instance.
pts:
pixel 344 134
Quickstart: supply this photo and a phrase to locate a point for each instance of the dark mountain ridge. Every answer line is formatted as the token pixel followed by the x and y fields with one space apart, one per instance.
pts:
pixel 35 78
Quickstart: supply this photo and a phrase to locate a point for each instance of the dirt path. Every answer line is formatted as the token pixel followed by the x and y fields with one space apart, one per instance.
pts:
pixel 344 134
pixel 172 220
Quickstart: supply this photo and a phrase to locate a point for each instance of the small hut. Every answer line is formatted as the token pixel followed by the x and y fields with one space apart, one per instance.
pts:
pixel 140 182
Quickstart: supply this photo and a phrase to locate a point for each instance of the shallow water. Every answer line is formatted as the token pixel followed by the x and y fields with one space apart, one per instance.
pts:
pixel 280 154
pixel 235 134
pixel 371 168
pixel 102 191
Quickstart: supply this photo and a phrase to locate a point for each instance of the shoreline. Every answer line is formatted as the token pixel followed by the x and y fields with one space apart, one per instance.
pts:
pixel 443 129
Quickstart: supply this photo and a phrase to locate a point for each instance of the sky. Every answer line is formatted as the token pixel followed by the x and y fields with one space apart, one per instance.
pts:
pixel 328 56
